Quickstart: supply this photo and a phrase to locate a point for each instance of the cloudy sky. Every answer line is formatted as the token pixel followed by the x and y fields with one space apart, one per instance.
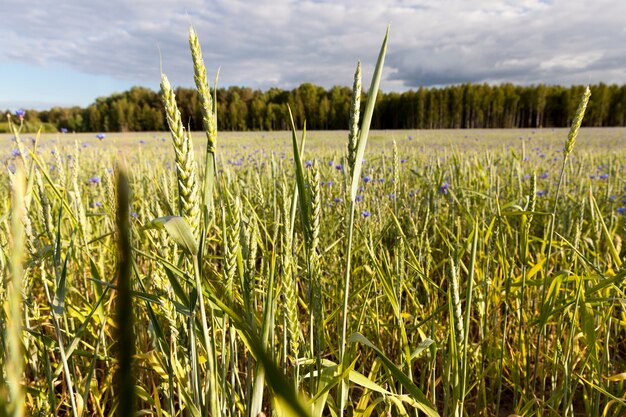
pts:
pixel 69 52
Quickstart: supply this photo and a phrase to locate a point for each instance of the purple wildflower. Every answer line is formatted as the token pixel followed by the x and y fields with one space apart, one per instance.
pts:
pixel 94 180
pixel 101 136
pixel 443 189
pixel 366 179
pixel 366 213
pixel 21 113
pixel 63 130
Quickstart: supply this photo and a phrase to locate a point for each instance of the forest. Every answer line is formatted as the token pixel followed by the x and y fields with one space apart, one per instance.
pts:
pixel 463 106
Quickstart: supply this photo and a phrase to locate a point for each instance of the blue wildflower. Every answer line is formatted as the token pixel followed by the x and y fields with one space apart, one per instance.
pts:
pixel 604 176
pixel 366 179
pixel 95 179
pixel 443 188
pixel 63 130
pixel 621 210
pixel 15 153
pixel 21 113
pixel 308 164
pixel 339 167
pixel 541 192
pixel 101 136
pixel 366 213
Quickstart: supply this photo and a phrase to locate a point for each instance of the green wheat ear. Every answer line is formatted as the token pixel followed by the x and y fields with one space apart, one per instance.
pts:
pixel 189 203
pixel 355 114
pixel 578 119
pixel 206 101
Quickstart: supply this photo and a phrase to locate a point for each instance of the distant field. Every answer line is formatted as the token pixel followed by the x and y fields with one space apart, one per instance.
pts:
pixel 335 141
pixel 468 274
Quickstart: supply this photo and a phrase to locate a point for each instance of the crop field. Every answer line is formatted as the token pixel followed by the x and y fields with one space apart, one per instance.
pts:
pixel 456 279
pixel 346 273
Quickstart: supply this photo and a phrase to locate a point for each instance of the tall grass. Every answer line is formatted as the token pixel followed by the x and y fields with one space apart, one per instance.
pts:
pixel 435 273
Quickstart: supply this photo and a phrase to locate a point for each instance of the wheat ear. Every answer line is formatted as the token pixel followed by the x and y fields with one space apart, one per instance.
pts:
pixel 355 111
pixel 578 119
pixel 189 203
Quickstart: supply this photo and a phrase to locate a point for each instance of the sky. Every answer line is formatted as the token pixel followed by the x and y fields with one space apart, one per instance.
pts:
pixel 69 52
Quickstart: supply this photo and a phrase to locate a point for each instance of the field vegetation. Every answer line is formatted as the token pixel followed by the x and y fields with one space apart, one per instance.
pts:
pixel 447 272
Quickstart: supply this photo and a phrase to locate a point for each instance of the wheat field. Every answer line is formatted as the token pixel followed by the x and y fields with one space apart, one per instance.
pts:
pixel 360 273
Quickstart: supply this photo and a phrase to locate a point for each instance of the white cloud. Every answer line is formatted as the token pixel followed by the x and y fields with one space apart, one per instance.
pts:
pixel 285 42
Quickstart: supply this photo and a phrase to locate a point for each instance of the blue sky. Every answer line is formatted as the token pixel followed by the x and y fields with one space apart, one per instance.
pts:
pixel 71 52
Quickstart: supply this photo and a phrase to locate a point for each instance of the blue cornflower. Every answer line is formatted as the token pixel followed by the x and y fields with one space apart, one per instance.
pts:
pixel 366 179
pixel 339 167
pixel 365 213
pixel 358 198
pixel 15 153
pixel 20 113
pixel 544 175
pixel 101 136
pixel 541 192
pixel 621 210
pixel 443 189
pixel 63 130
pixel 142 141
pixel 95 179
pixel 308 163
pixel 338 200
pixel 604 176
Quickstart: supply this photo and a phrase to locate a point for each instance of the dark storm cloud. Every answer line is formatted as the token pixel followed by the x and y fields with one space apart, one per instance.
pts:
pixel 284 43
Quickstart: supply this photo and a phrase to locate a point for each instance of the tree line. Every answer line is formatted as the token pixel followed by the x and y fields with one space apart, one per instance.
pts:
pixel 452 107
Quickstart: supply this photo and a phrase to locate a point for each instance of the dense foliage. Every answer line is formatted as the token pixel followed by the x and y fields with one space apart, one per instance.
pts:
pixel 452 107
